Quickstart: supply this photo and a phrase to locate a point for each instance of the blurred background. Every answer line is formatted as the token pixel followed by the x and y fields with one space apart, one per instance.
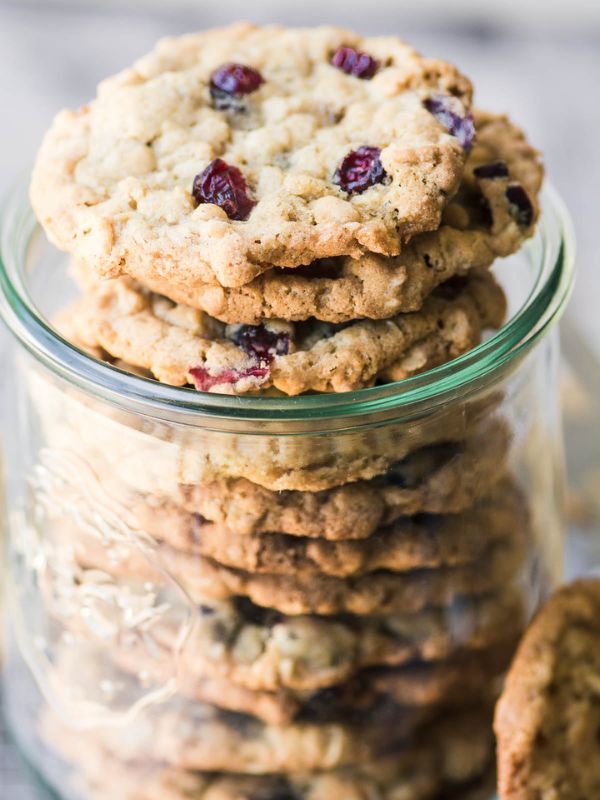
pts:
pixel 537 59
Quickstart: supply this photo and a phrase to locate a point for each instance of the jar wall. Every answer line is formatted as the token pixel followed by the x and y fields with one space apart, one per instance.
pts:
pixel 215 613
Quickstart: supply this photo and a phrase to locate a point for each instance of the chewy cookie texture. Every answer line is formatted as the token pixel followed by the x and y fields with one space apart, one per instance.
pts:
pixel 225 153
pixel 548 718
pixel 479 224
pixel 417 772
pixel 181 346
pixel 273 212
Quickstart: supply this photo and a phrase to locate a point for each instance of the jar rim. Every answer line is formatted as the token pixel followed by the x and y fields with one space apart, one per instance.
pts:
pixel 553 247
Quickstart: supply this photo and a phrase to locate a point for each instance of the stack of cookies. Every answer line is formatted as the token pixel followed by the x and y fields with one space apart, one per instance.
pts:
pixel 279 212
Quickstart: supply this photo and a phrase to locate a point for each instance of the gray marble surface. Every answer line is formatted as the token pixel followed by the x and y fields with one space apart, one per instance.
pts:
pixel 543 67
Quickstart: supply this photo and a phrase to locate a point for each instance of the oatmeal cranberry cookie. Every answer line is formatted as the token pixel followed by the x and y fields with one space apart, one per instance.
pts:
pixel 439 478
pixel 263 650
pixel 548 717
pixel 88 440
pixel 491 216
pixel 200 736
pixel 196 736
pixel 181 346
pixel 424 542
pixel 381 591
pixel 442 684
pixel 224 153
pixel 458 755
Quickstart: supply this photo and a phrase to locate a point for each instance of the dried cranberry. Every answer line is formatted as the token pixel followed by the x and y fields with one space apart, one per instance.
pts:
pixel 230 82
pixel 226 187
pixel 478 207
pixel 257 615
pixel 452 288
pixel 410 471
pixel 450 113
pixel 360 169
pixel 204 380
pixel 277 790
pixel 519 204
pixel 239 721
pixel 197 523
pixel 495 169
pixel 354 62
pixel 263 344
pixel 399 475
pixel 325 705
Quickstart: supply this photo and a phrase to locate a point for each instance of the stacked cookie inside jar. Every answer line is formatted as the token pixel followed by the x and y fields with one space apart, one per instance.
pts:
pixel 273 213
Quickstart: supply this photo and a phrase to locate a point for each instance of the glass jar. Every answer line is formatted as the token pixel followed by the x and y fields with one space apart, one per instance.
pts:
pixel 312 597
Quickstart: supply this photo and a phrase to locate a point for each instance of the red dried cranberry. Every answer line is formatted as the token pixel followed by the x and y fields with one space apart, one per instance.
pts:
pixel 452 288
pixel 495 169
pixel 230 82
pixel 204 380
pixel 477 206
pixel 360 169
pixel 196 525
pixel 354 62
pixel 226 187
pixel 410 471
pixel 519 204
pixel 257 615
pixel 278 790
pixel 450 113
pixel 326 705
pixel 261 343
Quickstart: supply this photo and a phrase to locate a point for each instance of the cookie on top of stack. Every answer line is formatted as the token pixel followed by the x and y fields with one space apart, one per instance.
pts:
pixel 276 180
pixel 272 211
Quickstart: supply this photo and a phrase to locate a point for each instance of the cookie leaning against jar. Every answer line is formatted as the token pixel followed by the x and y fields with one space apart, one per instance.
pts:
pixel 492 214
pixel 548 718
pixel 225 153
